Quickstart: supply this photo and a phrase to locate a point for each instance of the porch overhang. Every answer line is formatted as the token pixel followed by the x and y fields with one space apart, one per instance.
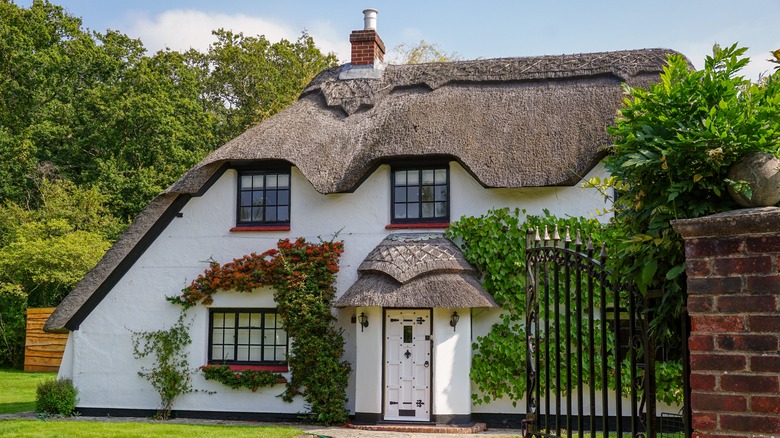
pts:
pixel 416 270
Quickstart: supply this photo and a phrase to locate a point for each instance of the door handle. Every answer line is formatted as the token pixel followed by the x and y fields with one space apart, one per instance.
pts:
pixel 426 364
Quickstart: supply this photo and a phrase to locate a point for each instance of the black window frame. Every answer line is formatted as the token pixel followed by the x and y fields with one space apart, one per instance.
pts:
pixel 262 345
pixel 420 185
pixel 264 173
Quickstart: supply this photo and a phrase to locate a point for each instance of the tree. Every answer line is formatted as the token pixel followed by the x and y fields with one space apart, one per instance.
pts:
pixel 250 79
pixel 422 53
pixel 48 250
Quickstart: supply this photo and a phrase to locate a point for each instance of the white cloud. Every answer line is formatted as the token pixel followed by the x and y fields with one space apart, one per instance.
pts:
pixel 182 29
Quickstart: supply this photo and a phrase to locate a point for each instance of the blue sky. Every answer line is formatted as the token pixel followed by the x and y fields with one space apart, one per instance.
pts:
pixel 472 29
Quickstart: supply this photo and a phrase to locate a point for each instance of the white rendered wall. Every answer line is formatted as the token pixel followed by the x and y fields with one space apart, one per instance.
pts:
pixel 102 365
pixel 451 363
pixel 368 369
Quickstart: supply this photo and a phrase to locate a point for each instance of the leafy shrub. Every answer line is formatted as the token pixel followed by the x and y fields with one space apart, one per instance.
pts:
pixel 56 397
pixel 13 305
pixel 674 144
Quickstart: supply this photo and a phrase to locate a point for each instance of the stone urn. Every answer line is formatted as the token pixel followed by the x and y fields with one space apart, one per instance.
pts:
pixel 762 172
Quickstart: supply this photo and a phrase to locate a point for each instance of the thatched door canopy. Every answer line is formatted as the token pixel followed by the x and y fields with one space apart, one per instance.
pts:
pixel 419 270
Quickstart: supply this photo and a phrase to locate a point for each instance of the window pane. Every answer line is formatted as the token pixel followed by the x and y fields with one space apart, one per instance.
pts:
pixel 255 320
pixel 283 180
pixel 270 321
pixel 413 177
pixel 281 353
pixel 281 337
pixel 268 353
pixel 229 337
pixel 243 320
pixel 270 181
pixel 270 214
pixel 427 209
pixel 400 194
pixel 246 198
pixel 408 334
pixel 441 176
pixel 400 211
pixel 400 178
pixel 441 193
pixel 283 197
pixel 255 354
pixel 243 353
pixel 245 214
pixel 219 319
pixel 270 197
pixel 283 214
pixel 243 336
pixel 217 353
pixel 255 337
pixel 230 319
pixel 413 211
pixel 427 193
pixel 257 198
pixel 413 194
pixel 257 214
pixel 441 209
pixel 257 182
pixel 246 181
pixel 427 176
pixel 229 353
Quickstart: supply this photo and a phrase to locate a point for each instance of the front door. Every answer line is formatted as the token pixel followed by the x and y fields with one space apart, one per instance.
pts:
pixel 408 365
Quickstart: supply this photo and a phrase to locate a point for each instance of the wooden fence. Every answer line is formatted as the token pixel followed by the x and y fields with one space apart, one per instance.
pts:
pixel 42 351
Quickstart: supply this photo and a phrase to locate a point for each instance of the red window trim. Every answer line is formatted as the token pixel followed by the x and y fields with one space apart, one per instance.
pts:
pixel 417 225
pixel 270 368
pixel 247 228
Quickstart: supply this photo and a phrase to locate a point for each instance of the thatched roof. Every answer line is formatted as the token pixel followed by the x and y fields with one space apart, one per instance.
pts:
pixel 416 270
pixel 512 122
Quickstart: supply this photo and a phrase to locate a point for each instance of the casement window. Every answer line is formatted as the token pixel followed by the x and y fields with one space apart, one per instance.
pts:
pixel 421 194
pixel 264 197
pixel 246 336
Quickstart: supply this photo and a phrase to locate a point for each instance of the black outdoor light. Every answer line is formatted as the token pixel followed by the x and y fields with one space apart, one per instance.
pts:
pixel 363 320
pixel 454 320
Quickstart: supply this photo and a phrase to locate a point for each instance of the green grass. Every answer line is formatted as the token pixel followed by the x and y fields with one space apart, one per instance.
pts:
pixel 17 390
pixel 55 428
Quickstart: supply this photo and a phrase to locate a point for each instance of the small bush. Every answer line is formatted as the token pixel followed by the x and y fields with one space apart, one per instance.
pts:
pixel 56 397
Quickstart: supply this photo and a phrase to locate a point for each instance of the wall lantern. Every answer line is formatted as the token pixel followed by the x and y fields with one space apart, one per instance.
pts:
pixel 454 320
pixel 363 320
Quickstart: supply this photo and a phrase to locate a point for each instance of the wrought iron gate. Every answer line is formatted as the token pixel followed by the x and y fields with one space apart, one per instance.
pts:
pixel 588 346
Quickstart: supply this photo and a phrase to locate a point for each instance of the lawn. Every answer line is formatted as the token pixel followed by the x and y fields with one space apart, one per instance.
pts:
pixel 38 428
pixel 17 394
pixel 17 390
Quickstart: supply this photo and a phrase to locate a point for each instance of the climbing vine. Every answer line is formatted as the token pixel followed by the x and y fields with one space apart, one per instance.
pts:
pixel 248 379
pixel 170 375
pixel 302 276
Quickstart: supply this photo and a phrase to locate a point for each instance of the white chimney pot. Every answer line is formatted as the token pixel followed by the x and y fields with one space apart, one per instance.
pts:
pixel 369 19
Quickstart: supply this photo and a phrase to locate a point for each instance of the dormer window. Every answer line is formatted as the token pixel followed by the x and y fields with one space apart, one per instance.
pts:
pixel 421 194
pixel 263 197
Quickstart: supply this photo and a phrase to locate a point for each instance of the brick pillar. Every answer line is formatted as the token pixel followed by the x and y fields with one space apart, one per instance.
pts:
pixel 367 47
pixel 733 262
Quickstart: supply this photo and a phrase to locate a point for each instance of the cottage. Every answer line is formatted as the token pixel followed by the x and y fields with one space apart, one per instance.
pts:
pixel 386 156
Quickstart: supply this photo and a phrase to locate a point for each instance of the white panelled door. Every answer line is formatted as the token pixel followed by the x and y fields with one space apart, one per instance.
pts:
pixel 408 365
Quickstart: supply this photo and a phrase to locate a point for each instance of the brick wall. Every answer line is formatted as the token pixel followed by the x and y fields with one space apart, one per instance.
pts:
pixel 733 268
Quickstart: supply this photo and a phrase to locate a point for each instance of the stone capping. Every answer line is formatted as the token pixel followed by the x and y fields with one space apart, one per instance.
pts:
pixel 762 220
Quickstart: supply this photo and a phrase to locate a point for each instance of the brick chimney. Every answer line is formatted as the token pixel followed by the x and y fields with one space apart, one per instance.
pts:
pixel 367 47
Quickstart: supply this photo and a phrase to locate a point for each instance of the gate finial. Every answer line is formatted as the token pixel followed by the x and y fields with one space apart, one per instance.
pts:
pixel 546 234
pixel 556 235
pixel 567 238
pixel 578 242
